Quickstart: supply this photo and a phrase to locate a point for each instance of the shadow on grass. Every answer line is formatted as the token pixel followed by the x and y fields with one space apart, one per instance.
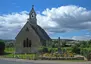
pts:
pixel 5 53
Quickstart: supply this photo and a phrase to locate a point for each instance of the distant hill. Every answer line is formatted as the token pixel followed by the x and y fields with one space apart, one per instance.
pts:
pixel 63 40
pixel 8 41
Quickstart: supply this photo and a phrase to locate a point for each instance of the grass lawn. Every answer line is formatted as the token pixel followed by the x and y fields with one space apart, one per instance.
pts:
pixel 19 56
pixel 9 53
pixel 9 50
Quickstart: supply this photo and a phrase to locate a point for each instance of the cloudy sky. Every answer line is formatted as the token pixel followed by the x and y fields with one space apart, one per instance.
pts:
pixel 67 19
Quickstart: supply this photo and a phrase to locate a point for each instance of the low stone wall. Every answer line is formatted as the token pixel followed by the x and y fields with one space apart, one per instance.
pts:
pixel 62 58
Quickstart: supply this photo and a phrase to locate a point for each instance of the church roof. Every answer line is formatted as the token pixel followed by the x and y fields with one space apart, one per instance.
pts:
pixel 41 32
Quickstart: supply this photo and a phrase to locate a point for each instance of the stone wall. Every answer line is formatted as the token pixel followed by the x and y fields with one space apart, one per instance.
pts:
pixel 62 58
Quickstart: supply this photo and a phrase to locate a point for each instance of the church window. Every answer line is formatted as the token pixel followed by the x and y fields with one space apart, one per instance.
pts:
pixel 24 43
pixel 27 43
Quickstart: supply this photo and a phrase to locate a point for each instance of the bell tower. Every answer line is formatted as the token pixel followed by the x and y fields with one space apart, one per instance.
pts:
pixel 32 16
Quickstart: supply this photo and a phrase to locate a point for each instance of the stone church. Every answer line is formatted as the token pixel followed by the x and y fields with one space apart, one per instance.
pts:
pixel 31 36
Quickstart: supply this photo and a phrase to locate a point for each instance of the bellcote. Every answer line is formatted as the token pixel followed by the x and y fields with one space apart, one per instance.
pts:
pixel 32 16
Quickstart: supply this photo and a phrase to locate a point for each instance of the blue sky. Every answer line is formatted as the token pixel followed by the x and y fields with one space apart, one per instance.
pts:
pixel 7 7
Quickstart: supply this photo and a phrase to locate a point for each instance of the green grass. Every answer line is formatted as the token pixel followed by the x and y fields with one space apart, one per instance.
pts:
pixel 19 56
pixel 26 56
pixel 9 50
pixel 87 48
pixel 9 53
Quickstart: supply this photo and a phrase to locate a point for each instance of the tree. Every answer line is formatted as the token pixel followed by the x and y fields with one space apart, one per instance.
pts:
pixel 2 47
pixel 54 44
pixel 84 44
pixel 89 42
pixel 45 50
pixel 76 49
pixel 64 44
pixel 11 44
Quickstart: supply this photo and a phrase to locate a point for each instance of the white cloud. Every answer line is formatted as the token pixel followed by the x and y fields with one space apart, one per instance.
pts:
pixel 65 18
pixel 84 37
pixel 11 24
pixel 54 20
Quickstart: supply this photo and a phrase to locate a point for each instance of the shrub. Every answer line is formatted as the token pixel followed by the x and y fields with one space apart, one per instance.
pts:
pixel 45 50
pixel 85 51
pixel 75 49
pixel 2 47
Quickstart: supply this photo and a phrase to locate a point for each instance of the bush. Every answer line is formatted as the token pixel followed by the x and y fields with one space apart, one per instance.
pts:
pixel 75 49
pixel 45 50
pixel 2 47
pixel 9 45
pixel 85 51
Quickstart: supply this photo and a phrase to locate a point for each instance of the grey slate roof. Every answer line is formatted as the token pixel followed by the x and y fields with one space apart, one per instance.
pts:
pixel 40 32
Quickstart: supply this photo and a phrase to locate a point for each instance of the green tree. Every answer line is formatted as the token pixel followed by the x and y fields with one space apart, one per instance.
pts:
pixel 54 44
pixel 84 44
pixel 64 44
pixel 2 47
pixel 75 49
pixel 89 42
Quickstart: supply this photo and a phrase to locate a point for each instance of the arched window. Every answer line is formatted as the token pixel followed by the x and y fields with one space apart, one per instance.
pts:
pixel 24 43
pixel 27 43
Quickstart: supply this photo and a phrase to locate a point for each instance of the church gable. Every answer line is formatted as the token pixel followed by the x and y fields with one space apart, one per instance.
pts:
pixel 27 39
pixel 27 30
